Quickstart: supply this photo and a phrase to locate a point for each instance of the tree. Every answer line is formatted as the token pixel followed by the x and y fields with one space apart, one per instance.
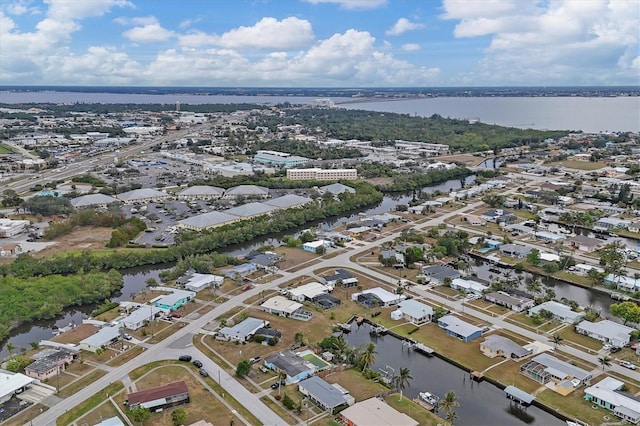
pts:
pixel 413 254
pixel 10 348
pixel 451 416
pixel 368 356
pixel 151 282
pixel 557 340
pixel 403 379
pixel 534 257
pixel 604 361
pixel 11 199
pixel 628 312
pixel 243 368
pixel 596 277
pixel 449 402
pixel 140 414
pixel 534 286
pixel 178 416
pixel 299 338
pixel 613 259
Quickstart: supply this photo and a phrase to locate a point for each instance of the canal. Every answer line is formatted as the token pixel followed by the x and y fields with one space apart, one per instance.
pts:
pixel 480 403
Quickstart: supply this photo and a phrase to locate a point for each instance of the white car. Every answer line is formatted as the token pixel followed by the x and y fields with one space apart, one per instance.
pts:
pixel 628 365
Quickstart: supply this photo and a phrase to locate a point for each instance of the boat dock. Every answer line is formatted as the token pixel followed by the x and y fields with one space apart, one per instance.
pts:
pixel 423 404
pixel 424 349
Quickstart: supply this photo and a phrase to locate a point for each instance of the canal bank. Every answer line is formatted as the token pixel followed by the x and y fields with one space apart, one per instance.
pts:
pixel 481 403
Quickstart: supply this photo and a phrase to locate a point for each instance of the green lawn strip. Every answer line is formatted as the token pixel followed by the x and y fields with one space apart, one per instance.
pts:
pixel 413 410
pixel 223 363
pixel 142 370
pixel 4 149
pixel 575 406
pixel 79 384
pixel 277 408
pixel 244 412
pixel 93 401
pixel 509 373
pixel 585 341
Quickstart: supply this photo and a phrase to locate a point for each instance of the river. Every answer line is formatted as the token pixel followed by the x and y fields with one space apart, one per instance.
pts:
pixel 480 403
pixel 587 114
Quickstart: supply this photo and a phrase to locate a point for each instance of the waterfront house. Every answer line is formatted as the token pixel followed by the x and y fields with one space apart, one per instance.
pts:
pixel 375 411
pixel 517 304
pixel 634 227
pixel 609 223
pixel 159 398
pixel 377 297
pixel 284 307
pixel 173 301
pixel 104 337
pixel 417 313
pixel 325 395
pixel 243 331
pixel 10 250
pixel 545 368
pixel 459 329
pixel 468 286
pixel 495 345
pixel 437 274
pixel 583 268
pixel 607 393
pixel 515 250
pixel 560 312
pixel 198 282
pixel 585 244
pixel 623 281
pixel 49 362
pixel 293 365
pixel 313 246
pixel 606 331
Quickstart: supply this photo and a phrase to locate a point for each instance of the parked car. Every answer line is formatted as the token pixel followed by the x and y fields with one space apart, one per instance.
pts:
pixel 246 287
pixel 255 359
pixel 127 336
pixel 606 347
pixel 628 365
pixel 185 358
pixel 615 349
pixel 203 372
pixel 197 363
pixel 176 314
pixel 275 385
pixel 264 369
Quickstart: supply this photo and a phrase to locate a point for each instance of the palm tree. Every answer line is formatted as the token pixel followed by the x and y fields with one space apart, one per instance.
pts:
pixel 534 286
pixel 604 362
pixel 451 416
pixel 449 401
pixel 403 379
pixel 281 376
pixel 368 356
pixel 557 340
pixel 10 347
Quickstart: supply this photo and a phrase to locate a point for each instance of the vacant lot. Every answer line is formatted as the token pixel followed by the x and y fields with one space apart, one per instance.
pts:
pixel 579 165
pixel 86 238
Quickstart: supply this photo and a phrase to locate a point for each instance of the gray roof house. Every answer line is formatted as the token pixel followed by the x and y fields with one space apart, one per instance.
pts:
pixel 606 331
pixel 242 331
pixel 514 250
pixel 323 394
pixel 415 312
pixel 544 368
pixel 517 304
pixel 495 345
pixel 295 367
pixel 438 273
pixel 560 312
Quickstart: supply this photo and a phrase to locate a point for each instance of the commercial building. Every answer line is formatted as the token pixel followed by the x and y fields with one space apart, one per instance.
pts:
pixel 160 398
pixel 374 411
pixel 206 221
pixel 200 192
pixel 144 195
pixel 11 228
pixel 322 174
pixel 337 189
pixel 252 191
pixel 288 201
pixel 281 159
pixel 250 210
pixel 606 331
pixel 93 200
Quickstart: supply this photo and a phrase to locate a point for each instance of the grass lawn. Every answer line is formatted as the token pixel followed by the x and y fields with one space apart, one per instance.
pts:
pixel 568 334
pixel 79 384
pixel 4 149
pixel 279 409
pixel 580 165
pixel 103 411
pixel 25 416
pixel 509 373
pixel 575 406
pixel 87 405
pixel 127 356
pixel 413 410
pixel 203 404
pixel 523 320
pixel 359 387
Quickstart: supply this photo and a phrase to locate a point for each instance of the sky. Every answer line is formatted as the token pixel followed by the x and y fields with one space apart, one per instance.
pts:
pixel 320 43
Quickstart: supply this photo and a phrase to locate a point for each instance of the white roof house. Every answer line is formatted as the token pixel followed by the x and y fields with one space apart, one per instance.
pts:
pixel 606 393
pixel 469 286
pixel 281 306
pixel 198 282
pixel 103 337
pixel 138 318
pixel 308 291
pixel 12 382
pixel 416 312
pixel 606 331
pixel 560 311
pixel 385 297
pixel 242 331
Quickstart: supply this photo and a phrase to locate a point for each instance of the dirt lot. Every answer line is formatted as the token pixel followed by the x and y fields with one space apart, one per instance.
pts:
pixel 293 257
pixel 79 333
pixel 86 238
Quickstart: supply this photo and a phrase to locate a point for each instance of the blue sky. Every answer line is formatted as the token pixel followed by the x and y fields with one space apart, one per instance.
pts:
pixel 320 43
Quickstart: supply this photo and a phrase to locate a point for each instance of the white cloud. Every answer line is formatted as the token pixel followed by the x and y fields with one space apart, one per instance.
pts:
pixel 353 4
pixel 269 34
pixel 139 20
pixel 559 42
pixel 411 47
pixel 148 34
pixel 402 26
pixel 21 7
pixel 189 22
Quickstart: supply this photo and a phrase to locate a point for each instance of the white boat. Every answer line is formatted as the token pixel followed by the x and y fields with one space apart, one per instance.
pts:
pixel 429 398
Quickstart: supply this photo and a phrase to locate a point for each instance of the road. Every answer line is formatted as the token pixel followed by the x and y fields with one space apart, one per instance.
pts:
pixel 85 165
pixel 179 342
